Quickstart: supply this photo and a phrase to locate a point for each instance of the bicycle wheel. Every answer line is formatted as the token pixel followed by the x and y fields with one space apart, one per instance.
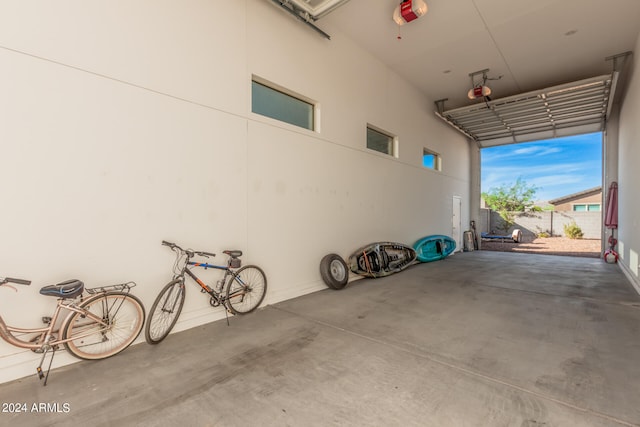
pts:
pixel 165 312
pixel 246 289
pixel 122 320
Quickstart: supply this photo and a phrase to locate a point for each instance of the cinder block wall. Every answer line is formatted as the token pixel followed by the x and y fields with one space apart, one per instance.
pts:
pixel 533 223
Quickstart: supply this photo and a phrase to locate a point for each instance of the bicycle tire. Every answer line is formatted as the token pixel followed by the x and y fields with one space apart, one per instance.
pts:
pixel 90 340
pixel 164 312
pixel 246 289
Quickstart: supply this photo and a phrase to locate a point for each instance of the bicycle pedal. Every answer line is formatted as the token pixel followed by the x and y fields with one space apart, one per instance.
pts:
pixel 46 320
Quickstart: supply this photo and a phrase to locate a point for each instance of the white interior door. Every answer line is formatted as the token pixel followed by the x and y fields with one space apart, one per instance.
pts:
pixel 456 222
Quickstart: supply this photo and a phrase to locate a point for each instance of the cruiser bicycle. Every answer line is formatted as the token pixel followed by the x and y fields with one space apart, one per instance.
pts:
pixel 100 322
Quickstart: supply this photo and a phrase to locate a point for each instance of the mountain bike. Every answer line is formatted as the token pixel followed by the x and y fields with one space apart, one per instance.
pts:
pixel 99 324
pixel 240 291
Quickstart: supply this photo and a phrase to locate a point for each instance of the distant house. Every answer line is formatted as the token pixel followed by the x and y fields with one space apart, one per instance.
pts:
pixel 583 201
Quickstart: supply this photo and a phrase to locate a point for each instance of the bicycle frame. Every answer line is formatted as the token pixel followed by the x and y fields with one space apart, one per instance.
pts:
pixel 181 267
pixel 215 294
pixel 46 334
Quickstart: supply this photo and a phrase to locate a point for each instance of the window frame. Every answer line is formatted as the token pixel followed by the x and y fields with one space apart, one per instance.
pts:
pixel 437 159
pixel 586 207
pixel 392 141
pixel 315 106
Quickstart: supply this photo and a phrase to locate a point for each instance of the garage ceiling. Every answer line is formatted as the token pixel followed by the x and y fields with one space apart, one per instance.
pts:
pixel 528 46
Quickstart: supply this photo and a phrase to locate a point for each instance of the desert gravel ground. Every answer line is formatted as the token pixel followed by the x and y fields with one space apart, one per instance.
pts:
pixel 590 248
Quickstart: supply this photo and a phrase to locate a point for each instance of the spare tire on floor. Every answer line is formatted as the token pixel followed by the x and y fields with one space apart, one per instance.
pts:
pixel 334 271
pixel 516 235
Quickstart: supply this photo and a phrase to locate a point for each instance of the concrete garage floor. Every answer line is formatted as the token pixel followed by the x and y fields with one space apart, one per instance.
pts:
pixel 479 339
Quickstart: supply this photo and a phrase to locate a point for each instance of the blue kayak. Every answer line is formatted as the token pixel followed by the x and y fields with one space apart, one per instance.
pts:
pixel 433 248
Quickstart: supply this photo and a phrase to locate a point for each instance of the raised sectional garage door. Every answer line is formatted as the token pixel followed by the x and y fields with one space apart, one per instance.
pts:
pixel 570 109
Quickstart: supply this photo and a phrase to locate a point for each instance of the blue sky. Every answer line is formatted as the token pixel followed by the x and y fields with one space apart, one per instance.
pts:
pixel 557 167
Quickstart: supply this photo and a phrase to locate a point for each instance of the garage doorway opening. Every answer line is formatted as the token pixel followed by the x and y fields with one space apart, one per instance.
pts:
pixel 557 189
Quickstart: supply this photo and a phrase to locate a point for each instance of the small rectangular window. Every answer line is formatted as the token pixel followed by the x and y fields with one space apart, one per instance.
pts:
pixel 282 106
pixel 587 207
pixel 431 160
pixel 380 141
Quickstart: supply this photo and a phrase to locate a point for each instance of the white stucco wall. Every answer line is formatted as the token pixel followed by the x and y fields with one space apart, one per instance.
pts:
pixel 629 175
pixel 126 123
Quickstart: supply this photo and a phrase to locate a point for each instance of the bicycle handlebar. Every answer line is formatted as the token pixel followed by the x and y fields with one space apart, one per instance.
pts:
pixel 189 252
pixel 16 281
pixel 205 254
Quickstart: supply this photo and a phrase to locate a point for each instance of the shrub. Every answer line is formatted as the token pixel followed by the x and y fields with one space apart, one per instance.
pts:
pixel 544 234
pixel 573 231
